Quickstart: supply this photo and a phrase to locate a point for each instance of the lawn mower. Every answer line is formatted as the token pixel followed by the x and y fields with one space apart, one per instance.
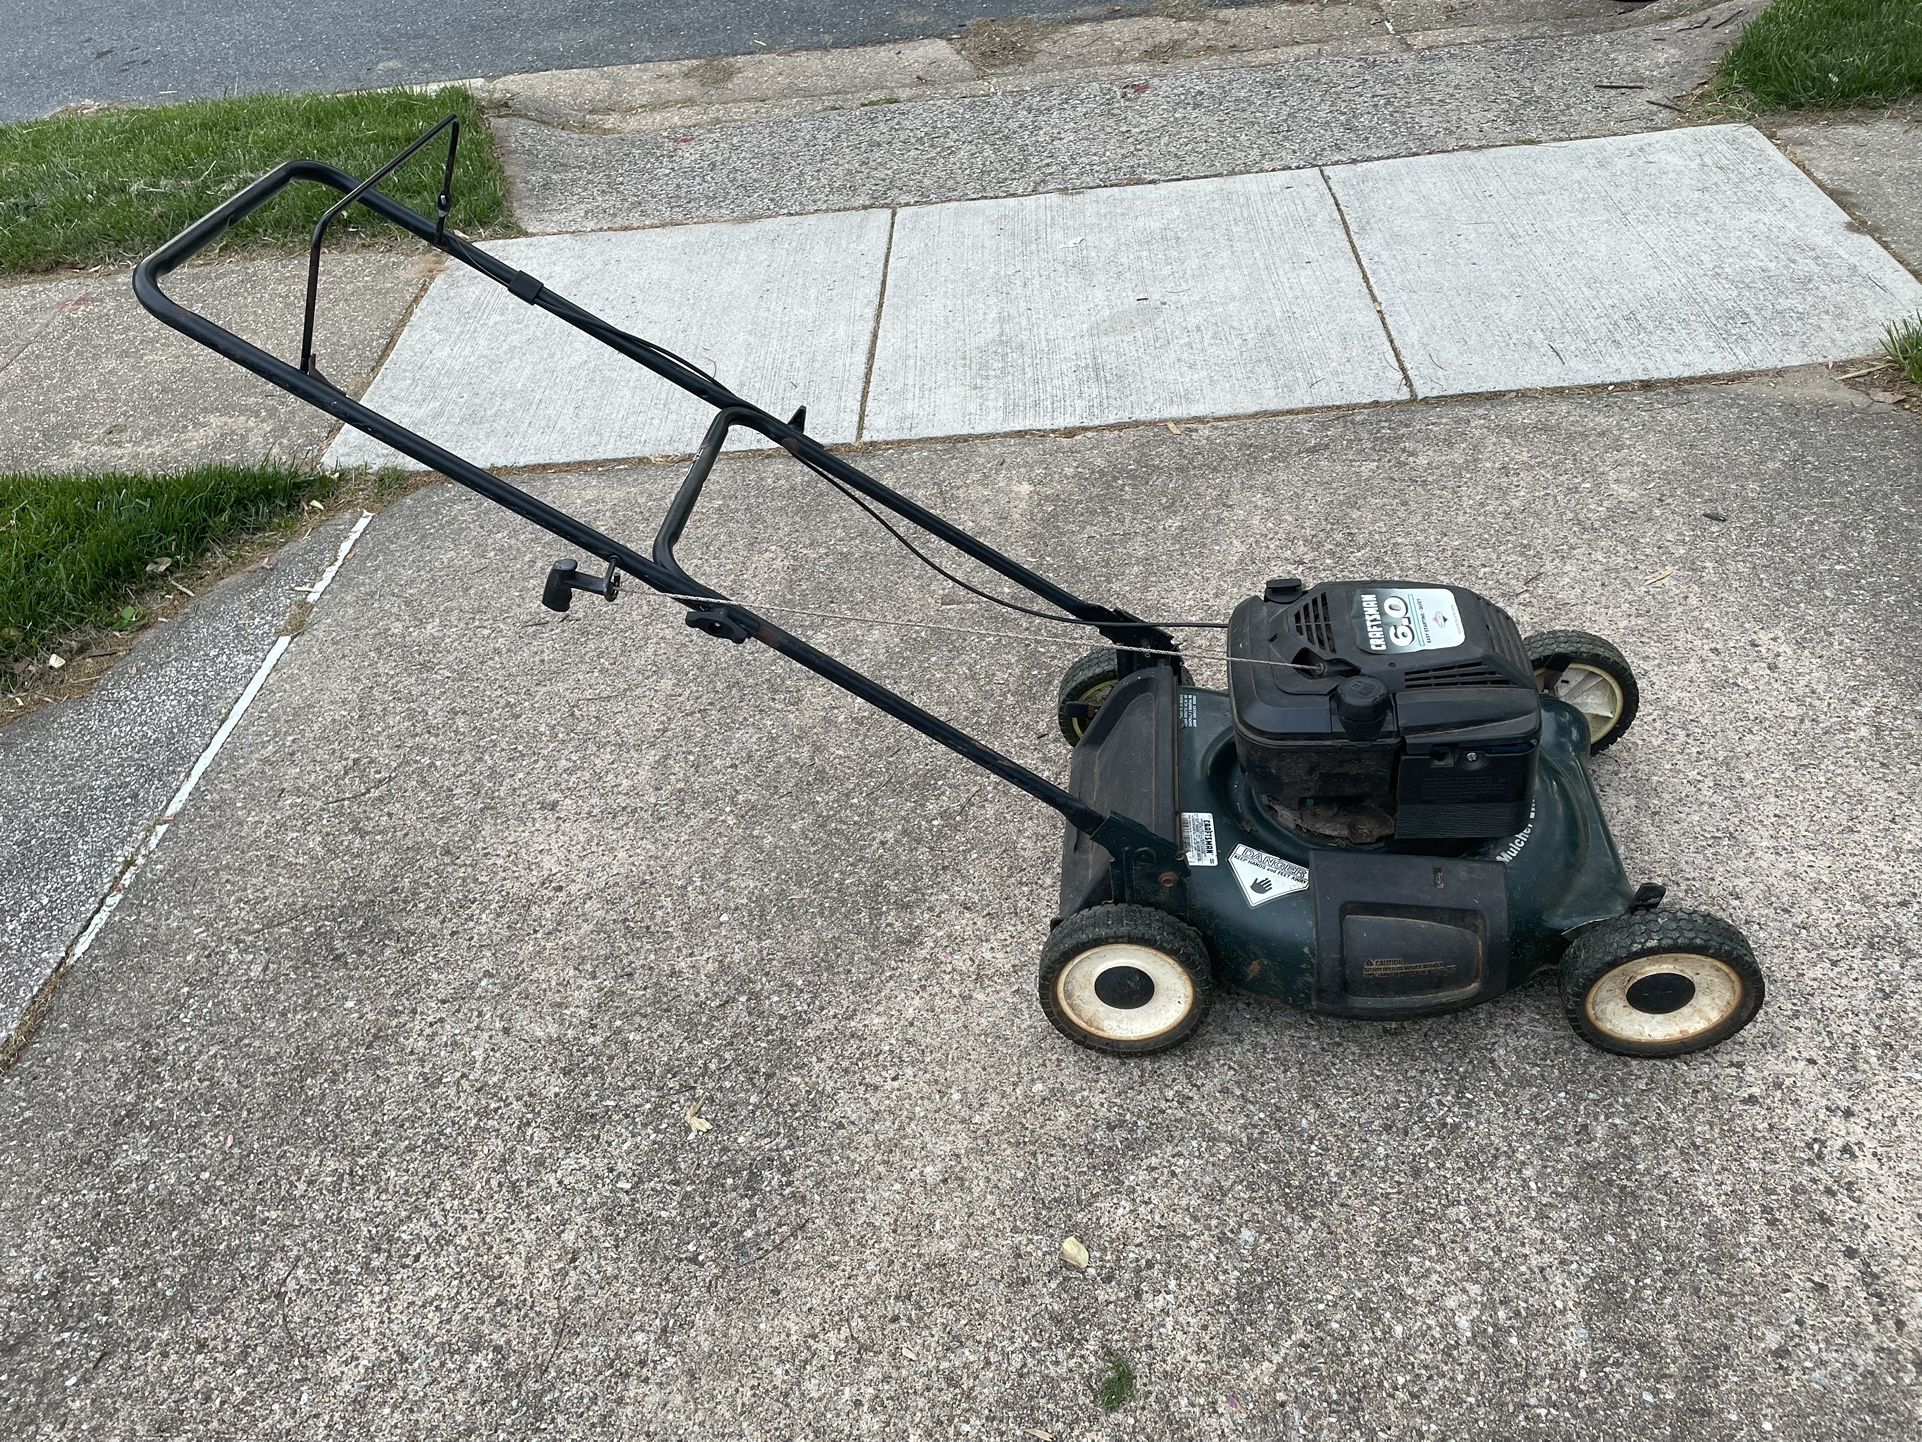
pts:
pixel 1387 813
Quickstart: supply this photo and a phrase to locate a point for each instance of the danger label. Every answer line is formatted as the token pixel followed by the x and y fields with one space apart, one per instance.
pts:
pixel 1264 877
pixel 1198 836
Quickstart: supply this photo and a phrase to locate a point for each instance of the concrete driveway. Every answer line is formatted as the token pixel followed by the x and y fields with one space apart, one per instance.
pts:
pixel 366 1116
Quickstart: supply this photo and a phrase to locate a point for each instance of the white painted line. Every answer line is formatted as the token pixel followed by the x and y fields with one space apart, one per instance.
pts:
pixel 151 842
pixel 780 311
pixel 1194 298
pixel 1684 252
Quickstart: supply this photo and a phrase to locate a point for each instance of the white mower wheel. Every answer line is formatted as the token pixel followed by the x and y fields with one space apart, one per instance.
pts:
pixel 1660 983
pixel 1125 979
pixel 1589 674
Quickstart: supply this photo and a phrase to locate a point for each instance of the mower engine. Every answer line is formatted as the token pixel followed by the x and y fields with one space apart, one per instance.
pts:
pixel 1371 710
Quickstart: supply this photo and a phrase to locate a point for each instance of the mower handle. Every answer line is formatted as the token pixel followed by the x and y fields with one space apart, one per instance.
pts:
pixel 1137 850
pixel 230 212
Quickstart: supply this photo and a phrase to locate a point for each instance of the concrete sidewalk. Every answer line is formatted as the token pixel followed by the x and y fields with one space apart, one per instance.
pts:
pixel 84 783
pixel 90 381
pixel 1680 253
pixel 369 1107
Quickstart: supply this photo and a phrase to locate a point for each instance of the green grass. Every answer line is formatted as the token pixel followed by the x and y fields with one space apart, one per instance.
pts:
pixel 1802 53
pixel 79 552
pixel 1117 1388
pixel 1902 343
pixel 109 187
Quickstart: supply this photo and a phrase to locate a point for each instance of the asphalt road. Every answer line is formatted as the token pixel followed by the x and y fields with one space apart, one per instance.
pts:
pixel 95 50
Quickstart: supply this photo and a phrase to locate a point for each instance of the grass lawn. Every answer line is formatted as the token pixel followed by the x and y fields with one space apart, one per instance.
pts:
pixel 1903 345
pixel 110 186
pixel 78 552
pixel 1800 53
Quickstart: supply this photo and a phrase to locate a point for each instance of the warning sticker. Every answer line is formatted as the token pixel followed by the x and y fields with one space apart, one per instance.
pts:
pixel 1198 836
pixel 1264 877
pixel 1190 712
pixel 1393 621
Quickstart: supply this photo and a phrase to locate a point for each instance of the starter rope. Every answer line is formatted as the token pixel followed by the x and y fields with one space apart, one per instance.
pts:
pixel 1018 637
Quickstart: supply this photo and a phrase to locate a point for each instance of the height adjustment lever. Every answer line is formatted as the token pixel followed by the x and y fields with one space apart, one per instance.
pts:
pixel 565 578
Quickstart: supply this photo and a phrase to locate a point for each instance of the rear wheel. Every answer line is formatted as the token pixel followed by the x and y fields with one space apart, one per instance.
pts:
pixel 1125 979
pixel 1085 686
pixel 1660 983
pixel 1592 676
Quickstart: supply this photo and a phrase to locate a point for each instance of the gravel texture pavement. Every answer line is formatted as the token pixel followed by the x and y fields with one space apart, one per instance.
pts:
pixel 369 1115
pixel 1155 123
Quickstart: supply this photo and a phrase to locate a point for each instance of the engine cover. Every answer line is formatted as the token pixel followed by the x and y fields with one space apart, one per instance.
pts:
pixel 1417 700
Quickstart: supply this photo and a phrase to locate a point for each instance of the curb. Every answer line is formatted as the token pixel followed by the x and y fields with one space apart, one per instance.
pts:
pixel 21 1028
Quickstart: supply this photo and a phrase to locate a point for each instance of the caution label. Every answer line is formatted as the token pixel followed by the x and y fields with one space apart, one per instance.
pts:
pixel 1198 836
pixel 1264 877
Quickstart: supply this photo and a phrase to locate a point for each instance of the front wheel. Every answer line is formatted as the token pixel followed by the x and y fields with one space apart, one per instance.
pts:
pixel 1590 675
pixel 1125 979
pixel 1660 983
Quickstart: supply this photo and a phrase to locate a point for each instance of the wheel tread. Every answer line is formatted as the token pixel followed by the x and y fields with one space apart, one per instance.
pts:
pixel 1603 947
pixel 1101 664
pixel 1122 921
pixel 1082 675
pixel 1544 647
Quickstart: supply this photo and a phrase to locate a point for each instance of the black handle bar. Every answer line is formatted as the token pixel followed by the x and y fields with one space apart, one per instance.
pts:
pixel 1136 848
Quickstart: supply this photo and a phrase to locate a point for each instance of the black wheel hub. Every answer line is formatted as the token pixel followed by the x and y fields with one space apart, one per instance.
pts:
pixel 1124 987
pixel 1660 993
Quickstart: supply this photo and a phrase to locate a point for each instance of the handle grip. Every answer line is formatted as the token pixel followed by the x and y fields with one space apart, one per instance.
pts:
pixel 558 593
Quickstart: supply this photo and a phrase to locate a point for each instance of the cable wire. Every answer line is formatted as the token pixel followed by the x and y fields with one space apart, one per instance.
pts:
pixel 1019 637
pixel 933 565
pixel 602 330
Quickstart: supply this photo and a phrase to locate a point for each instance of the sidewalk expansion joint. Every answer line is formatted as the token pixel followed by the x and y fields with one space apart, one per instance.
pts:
pixel 601 465
pixel 1381 313
pixel 874 337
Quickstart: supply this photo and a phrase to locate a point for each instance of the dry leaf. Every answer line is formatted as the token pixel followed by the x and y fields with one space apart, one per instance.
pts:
pixel 155 567
pixel 1661 576
pixel 1074 1252
pixel 55 662
pixel 1173 429
pixel 1044 1436
pixel 695 1121
pixel 315 506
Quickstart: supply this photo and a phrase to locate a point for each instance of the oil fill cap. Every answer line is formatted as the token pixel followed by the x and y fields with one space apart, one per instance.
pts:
pixel 1361 704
